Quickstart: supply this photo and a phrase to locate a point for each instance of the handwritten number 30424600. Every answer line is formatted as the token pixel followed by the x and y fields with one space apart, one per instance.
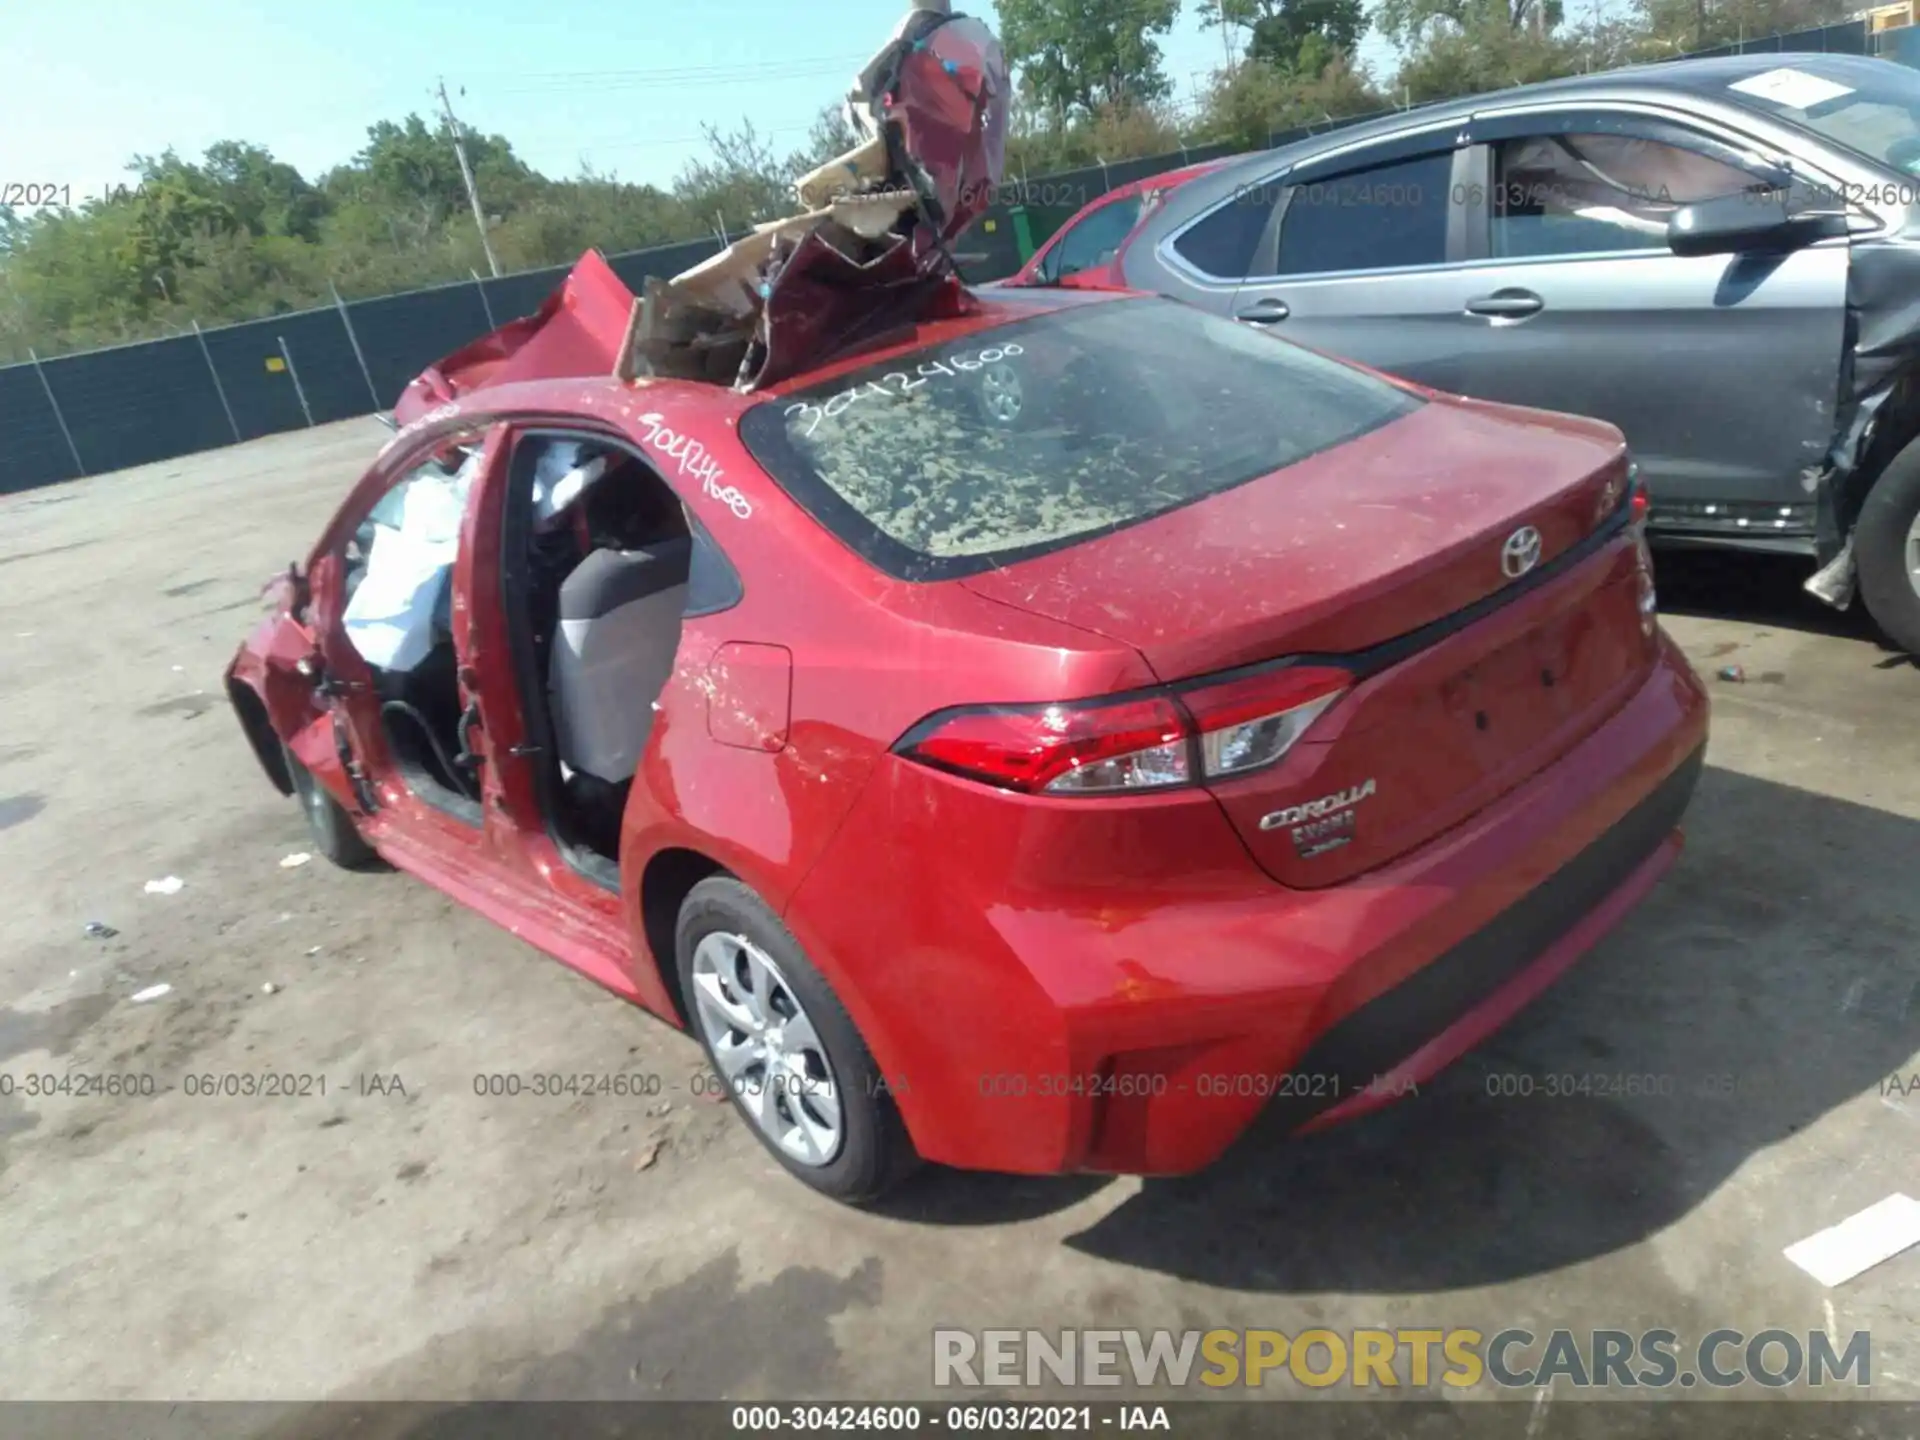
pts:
pixel 898 382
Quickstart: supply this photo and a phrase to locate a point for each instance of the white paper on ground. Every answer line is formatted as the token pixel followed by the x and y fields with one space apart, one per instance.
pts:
pixel 1787 86
pixel 1860 1242
pixel 152 992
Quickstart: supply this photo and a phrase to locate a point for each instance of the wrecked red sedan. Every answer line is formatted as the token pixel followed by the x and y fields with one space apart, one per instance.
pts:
pixel 1009 744
pixel 1030 732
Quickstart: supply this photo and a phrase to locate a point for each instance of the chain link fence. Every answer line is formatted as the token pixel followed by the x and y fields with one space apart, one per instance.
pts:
pixel 103 410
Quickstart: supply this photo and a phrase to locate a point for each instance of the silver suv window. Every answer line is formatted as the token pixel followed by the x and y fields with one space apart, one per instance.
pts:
pixel 1380 219
pixel 1580 194
pixel 1222 246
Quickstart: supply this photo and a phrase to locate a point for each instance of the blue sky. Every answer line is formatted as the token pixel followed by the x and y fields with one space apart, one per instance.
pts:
pixel 622 86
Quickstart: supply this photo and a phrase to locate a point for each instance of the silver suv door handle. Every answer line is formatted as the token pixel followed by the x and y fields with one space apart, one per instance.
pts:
pixel 1506 304
pixel 1265 312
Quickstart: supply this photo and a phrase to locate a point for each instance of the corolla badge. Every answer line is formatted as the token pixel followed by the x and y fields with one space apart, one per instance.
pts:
pixel 1521 552
pixel 1321 825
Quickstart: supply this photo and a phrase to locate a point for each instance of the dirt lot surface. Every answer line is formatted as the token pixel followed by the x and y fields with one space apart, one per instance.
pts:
pixel 400 1236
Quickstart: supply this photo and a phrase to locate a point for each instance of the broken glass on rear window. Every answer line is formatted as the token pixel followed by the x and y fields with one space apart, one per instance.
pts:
pixel 1024 438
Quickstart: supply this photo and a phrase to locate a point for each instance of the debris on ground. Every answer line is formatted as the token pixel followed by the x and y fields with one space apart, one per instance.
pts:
pixel 269 988
pixel 312 951
pixel 649 1153
pixel 171 885
pixel 100 930
pixel 295 860
pixel 1860 1242
pixel 1736 673
pixel 152 992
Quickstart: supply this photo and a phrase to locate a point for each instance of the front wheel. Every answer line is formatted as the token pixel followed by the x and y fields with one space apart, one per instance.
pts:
pixel 1886 541
pixel 784 1047
pixel 334 833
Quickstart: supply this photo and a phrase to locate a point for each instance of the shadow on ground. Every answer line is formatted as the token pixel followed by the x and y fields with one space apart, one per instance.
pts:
pixel 1768 590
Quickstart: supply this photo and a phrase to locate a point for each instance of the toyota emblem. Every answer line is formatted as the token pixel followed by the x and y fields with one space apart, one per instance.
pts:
pixel 1521 552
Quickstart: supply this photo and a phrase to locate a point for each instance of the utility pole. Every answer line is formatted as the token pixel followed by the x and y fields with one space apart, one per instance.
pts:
pixel 466 174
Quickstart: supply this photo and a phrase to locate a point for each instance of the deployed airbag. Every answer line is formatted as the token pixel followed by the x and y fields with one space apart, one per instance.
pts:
pixel 401 600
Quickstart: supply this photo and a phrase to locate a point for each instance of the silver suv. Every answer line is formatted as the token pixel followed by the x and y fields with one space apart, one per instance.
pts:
pixel 1722 257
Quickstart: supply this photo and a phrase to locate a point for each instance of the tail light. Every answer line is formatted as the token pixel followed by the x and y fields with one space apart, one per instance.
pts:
pixel 1075 749
pixel 1153 742
pixel 1249 723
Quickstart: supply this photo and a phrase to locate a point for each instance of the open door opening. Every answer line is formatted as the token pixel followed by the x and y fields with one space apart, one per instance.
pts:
pixel 397 595
pixel 598 555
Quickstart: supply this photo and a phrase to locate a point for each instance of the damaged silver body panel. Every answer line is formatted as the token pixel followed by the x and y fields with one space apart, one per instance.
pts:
pixel 1761 392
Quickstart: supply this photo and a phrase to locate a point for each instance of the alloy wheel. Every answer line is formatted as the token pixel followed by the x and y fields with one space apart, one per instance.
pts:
pixel 767 1048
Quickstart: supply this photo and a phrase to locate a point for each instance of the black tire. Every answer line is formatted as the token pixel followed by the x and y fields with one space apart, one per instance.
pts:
pixel 334 833
pixel 875 1152
pixel 1880 547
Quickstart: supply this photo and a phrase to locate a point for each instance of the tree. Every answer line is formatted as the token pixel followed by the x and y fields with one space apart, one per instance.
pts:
pixel 1249 103
pixel 1301 36
pixel 830 137
pixel 413 164
pixel 175 204
pixel 1674 26
pixel 265 195
pixel 741 183
pixel 1077 57
pixel 1408 22
pixel 1487 54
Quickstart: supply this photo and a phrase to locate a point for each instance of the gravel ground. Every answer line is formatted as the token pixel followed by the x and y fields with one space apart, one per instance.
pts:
pixel 400 1236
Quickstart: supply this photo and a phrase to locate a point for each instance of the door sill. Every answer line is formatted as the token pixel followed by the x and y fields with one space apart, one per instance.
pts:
pixel 589 865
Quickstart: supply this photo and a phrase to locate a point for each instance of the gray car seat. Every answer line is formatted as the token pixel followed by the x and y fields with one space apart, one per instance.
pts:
pixel 619 627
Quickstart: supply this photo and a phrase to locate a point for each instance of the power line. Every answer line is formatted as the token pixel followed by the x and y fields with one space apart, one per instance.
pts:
pixel 666 80
pixel 630 143
pixel 678 70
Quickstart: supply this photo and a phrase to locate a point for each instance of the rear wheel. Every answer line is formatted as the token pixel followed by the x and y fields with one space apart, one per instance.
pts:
pixel 334 833
pixel 784 1046
pixel 1886 541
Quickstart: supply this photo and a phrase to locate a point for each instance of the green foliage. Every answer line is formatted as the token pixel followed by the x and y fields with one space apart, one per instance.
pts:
pixel 1256 99
pixel 1078 58
pixel 1298 36
pixel 1672 27
pixel 738 185
pixel 1410 22
pixel 1486 54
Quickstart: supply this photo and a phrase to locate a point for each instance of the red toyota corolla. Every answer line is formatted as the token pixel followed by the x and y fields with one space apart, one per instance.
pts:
pixel 1036 742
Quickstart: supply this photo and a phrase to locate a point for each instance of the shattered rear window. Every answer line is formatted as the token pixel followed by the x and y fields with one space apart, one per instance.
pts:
pixel 1025 438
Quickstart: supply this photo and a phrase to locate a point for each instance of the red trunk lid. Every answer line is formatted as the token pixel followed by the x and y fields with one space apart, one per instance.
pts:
pixel 1395 533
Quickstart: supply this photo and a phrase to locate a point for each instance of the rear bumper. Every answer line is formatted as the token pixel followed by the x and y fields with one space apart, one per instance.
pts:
pixel 1141 1028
